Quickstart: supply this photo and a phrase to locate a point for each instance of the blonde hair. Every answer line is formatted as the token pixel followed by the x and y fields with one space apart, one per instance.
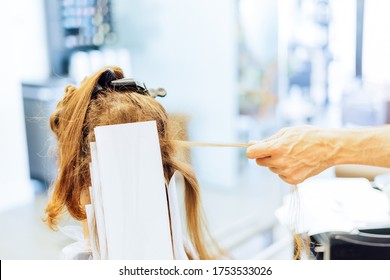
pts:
pixel 73 122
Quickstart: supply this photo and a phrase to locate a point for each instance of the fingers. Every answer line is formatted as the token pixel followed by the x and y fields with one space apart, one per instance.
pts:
pixel 287 180
pixel 268 162
pixel 264 148
pixel 260 150
pixel 289 175
pixel 290 153
pixel 291 180
pixel 286 175
pixel 285 171
pixel 275 170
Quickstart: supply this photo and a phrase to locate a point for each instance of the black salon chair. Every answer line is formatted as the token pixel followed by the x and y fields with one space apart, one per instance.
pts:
pixel 365 244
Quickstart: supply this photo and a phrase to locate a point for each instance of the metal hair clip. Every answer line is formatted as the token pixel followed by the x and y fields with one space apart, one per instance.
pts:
pixel 108 79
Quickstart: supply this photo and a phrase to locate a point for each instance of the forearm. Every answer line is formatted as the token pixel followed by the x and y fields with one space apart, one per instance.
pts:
pixel 368 146
pixel 297 153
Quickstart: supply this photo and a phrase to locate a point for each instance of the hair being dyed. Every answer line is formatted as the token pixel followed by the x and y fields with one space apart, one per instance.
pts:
pixel 73 122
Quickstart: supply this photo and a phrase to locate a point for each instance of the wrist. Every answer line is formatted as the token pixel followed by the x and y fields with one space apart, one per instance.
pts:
pixel 332 141
pixel 349 146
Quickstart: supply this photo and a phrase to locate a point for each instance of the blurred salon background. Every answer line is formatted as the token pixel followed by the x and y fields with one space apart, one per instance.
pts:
pixel 234 70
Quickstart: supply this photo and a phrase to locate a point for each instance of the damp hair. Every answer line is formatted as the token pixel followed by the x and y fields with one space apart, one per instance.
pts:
pixel 73 123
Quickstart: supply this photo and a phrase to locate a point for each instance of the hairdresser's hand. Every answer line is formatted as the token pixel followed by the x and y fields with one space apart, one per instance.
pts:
pixel 295 153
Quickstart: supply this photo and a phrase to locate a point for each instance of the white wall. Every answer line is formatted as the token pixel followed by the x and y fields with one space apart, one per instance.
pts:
pixel 189 47
pixel 376 41
pixel 21 55
pixel 259 23
pixel 29 35
pixel 342 45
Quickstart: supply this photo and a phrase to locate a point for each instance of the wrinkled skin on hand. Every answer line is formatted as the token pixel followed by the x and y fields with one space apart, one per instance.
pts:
pixel 295 153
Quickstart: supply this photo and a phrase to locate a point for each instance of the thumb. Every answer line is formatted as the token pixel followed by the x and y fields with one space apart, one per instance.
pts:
pixel 259 149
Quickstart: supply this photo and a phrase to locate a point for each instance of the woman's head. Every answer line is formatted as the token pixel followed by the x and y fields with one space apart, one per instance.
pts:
pixel 73 122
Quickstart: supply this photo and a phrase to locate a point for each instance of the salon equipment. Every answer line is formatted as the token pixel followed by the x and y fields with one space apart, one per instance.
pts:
pixel 74 26
pixel 39 101
pixel 128 195
pixel 363 244
pixel 109 80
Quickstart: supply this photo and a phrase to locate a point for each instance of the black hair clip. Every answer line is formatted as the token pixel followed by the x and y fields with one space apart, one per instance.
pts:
pixel 108 79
